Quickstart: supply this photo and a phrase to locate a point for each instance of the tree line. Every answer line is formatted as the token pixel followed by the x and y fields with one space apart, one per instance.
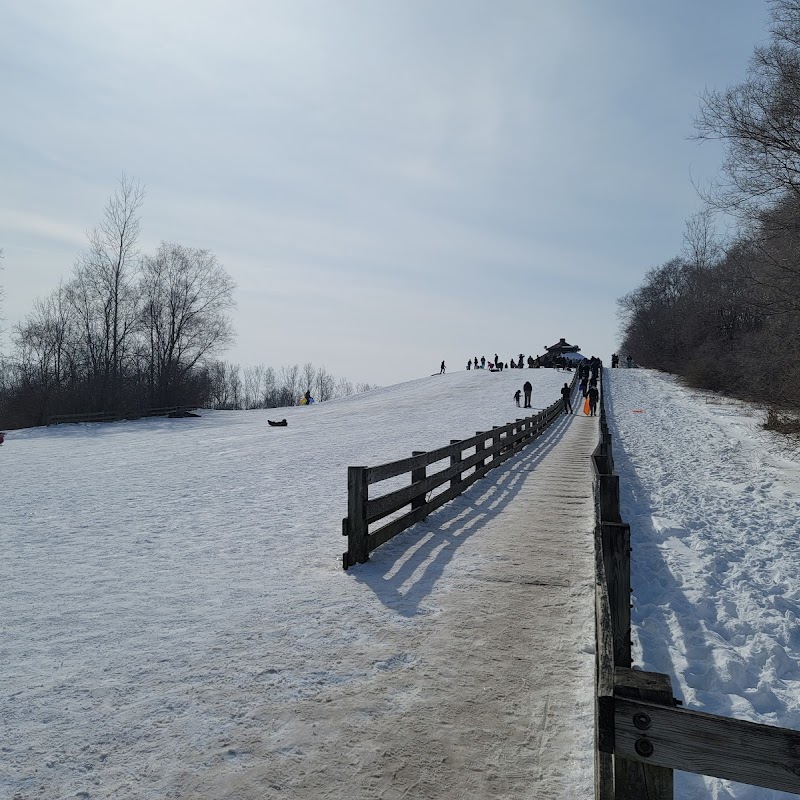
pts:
pixel 260 386
pixel 723 313
pixel 129 332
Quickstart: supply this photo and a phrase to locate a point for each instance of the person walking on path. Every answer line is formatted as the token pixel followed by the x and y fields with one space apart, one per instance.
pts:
pixel 593 396
pixel 565 392
pixel 516 396
pixel 442 370
pixel 527 388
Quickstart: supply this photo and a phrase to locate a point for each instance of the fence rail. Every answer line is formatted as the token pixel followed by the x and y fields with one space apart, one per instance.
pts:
pixel 491 448
pixel 640 734
pixel 116 416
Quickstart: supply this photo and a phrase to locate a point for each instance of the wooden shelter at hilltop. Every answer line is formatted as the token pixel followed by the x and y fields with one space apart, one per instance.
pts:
pixel 562 348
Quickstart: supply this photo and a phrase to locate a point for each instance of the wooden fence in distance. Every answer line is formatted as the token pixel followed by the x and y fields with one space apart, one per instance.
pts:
pixel 116 416
pixel 641 736
pixel 480 453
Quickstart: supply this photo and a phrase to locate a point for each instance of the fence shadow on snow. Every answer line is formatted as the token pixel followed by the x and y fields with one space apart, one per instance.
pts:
pixel 428 547
pixel 661 621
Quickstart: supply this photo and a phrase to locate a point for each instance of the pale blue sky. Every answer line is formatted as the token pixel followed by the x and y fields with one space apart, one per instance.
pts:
pixel 389 182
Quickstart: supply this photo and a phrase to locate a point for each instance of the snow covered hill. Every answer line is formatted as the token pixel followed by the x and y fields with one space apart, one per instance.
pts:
pixel 714 508
pixel 160 576
pixel 165 584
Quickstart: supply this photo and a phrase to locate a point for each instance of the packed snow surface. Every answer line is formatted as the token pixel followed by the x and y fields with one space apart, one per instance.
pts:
pixel 714 507
pixel 172 604
pixel 174 615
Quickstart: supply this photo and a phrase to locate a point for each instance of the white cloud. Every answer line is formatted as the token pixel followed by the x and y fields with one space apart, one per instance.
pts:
pixel 28 224
pixel 355 163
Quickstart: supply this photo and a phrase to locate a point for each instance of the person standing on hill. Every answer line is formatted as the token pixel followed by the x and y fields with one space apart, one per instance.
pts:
pixel 516 396
pixel 527 388
pixel 443 369
pixel 565 393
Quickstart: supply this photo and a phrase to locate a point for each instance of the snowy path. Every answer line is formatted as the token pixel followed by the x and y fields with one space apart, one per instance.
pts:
pixel 175 622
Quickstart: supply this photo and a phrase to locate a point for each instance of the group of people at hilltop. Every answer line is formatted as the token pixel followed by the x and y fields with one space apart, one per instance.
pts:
pixel 588 372
pixel 498 365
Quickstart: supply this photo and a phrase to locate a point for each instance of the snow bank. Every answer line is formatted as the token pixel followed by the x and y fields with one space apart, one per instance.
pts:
pixel 714 509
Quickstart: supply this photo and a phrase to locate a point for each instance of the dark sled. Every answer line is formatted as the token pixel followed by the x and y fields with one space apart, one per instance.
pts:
pixel 281 424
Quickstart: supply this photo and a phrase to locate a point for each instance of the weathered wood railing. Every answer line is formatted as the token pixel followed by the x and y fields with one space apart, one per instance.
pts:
pixel 491 448
pixel 116 416
pixel 641 736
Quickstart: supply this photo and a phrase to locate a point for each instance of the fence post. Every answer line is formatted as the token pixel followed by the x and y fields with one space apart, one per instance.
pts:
pixel 418 475
pixel 479 448
pixel 455 459
pixel 634 780
pixel 495 441
pixel 357 495
pixel 616 540
pixel 609 498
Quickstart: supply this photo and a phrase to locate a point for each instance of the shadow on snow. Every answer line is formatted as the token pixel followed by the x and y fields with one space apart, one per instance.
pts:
pixel 425 549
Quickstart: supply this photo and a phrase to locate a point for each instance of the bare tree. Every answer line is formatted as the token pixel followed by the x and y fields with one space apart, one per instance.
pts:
pixel 758 121
pixel 253 393
pixel 235 386
pixel 309 376
pixel 103 290
pixel 289 382
pixel 325 385
pixel 186 295
pixel 344 388
pixel 225 384
pixel 269 388
pixel 701 245
pixel 43 350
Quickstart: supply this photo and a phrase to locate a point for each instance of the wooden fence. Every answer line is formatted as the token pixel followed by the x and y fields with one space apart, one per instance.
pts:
pixel 116 416
pixel 480 453
pixel 641 734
